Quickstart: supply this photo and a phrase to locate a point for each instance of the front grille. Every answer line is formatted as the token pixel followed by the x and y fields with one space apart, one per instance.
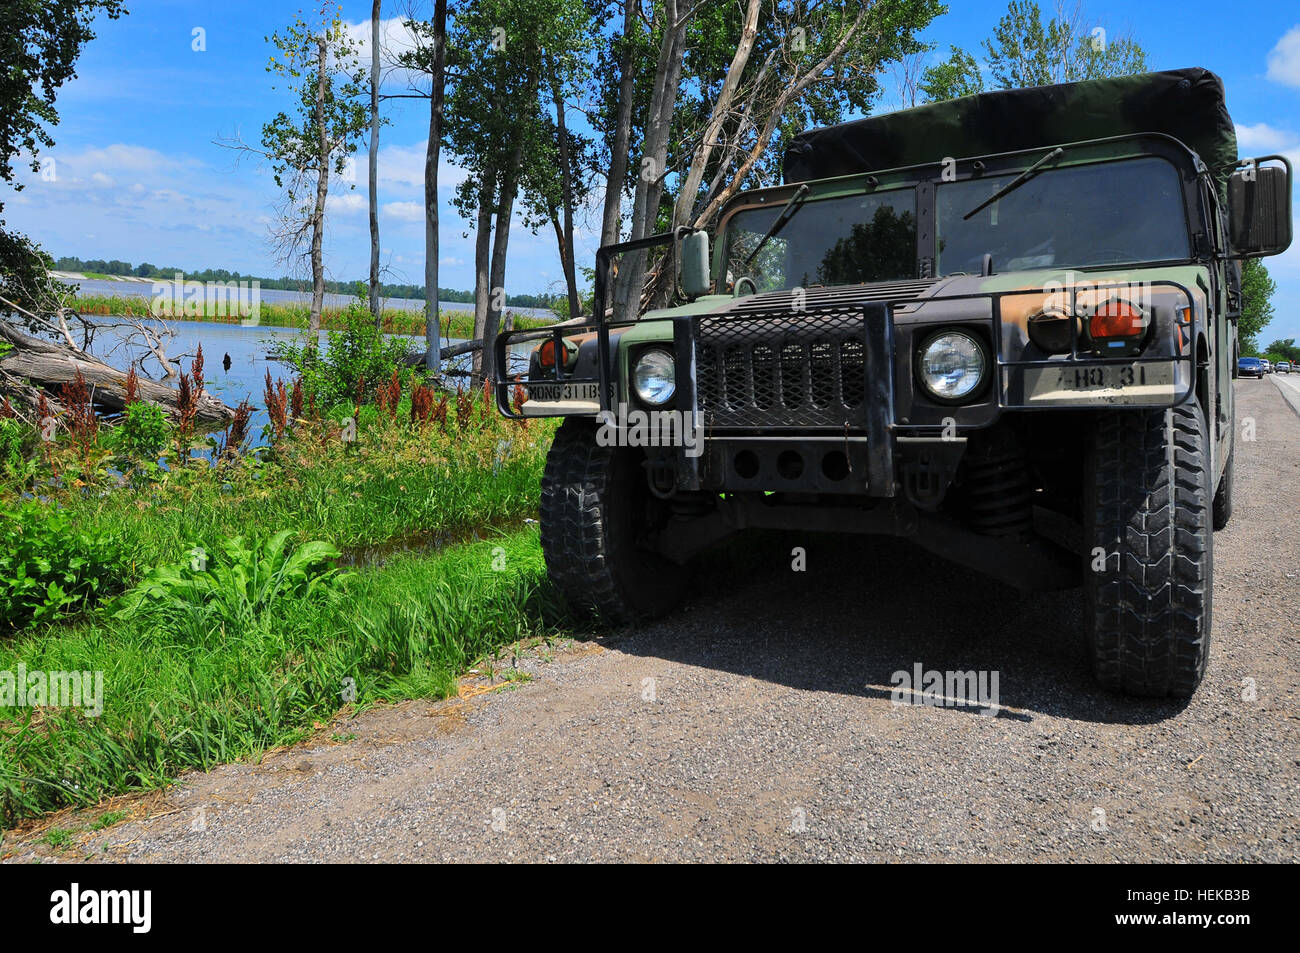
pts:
pixel 806 370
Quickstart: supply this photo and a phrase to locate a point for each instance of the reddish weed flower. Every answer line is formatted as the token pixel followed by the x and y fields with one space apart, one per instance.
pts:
pixel 196 368
pixel 236 431
pixel 464 409
pixel 361 396
pixel 421 405
pixel 277 401
pixel 295 399
pixel 83 425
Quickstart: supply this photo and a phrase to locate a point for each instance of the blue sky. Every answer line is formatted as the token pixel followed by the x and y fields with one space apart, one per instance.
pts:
pixel 139 178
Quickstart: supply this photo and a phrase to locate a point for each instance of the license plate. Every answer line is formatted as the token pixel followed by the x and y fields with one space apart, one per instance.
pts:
pixel 548 393
pixel 1109 383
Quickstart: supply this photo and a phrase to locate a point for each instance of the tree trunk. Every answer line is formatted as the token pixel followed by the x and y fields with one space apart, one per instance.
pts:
pixel 650 184
pixel 566 200
pixel 609 230
pixel 689 192
pixel 432 328
pixel 496 303
pixel 374 164
pixel 483 261
pixel 791 93
pixel 322 189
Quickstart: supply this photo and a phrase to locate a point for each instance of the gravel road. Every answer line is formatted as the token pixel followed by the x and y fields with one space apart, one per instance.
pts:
pixel 757 725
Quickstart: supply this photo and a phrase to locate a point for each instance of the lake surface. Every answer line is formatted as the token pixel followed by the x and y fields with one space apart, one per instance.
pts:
pixel 248 348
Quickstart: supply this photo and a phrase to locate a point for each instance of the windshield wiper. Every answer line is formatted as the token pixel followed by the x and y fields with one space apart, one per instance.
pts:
pixel 1017 182
pixel 787 213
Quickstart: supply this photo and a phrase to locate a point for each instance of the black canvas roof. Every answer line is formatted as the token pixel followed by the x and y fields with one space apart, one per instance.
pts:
pixel 1187 104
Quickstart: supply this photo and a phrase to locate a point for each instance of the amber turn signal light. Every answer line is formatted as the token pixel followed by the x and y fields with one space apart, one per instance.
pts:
pixel 546 353
pixel 1117 319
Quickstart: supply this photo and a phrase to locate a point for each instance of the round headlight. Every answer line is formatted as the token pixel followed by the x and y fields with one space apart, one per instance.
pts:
pixel 952 365
pixel 654 377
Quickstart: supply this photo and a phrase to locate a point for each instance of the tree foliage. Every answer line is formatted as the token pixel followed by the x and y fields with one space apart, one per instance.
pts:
pixel 40 41
pixel 958 75
pixel 1025 51
pixel 1257 290
pixel 39 45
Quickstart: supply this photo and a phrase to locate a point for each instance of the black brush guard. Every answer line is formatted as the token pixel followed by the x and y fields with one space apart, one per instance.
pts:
pixel 860 337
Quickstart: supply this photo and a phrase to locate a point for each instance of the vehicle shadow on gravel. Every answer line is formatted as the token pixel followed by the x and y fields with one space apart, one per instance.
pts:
pixel 867 607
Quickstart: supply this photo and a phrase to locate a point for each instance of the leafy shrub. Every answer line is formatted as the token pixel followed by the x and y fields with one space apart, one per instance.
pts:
pixel 143 432
pixel 49 569
pixel 17 441
pixel 237 587
pixel 359 354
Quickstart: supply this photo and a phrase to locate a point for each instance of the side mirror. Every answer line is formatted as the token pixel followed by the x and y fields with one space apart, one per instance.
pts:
pixel 694 273
pixel 1259 208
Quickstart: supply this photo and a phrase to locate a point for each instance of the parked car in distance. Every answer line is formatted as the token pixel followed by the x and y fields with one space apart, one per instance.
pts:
pixel 1250 367
pixel 1283 367
pixel 1268 365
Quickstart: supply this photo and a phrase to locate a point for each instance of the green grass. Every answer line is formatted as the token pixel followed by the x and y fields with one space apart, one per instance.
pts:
pixel 389 485
pixel 191 694
pixel 192 685
pixel 57 837
pixel 455 323
pixel 108 819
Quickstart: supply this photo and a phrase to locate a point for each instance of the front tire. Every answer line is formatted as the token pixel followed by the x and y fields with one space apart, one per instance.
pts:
pixel 1147 516
pixel 1223 496
pixel 597 518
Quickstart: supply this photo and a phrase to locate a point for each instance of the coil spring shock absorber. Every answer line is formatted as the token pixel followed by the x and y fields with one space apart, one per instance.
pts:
pixel 999 497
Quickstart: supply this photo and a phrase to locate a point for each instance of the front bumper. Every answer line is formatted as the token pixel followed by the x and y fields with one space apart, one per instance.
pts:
pixel 823 399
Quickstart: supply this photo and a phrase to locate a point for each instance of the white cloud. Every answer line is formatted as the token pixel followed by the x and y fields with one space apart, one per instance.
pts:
pixel 348 203
pixel 404 211
pixel 1284 59
pixel 1261 137
pixel 402 167
pixel 394 40
pixel 102 180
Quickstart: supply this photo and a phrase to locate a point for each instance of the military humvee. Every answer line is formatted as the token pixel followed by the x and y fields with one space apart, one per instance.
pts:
pixel 1003 327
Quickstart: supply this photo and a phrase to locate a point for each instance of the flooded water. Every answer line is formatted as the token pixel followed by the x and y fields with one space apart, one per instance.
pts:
pixel 249 349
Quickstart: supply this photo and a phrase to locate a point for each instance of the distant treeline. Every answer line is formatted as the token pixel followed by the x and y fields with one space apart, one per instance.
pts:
pixel 145 270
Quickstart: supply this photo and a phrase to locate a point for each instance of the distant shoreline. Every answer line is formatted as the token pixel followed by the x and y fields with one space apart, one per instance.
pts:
pixel 456 322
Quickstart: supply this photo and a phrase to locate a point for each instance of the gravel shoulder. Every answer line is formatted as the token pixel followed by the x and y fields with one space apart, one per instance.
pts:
pixel 757 725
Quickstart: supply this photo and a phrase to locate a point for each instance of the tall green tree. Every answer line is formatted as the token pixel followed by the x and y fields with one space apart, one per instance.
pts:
pixel 506 59
pixel 958 75
pixel 1257 290
pixel 789 64
pixel 1285 349
pixel 373 165
pixel 429 55
pixel 40 41
pixel 1025 51
pixel 320 64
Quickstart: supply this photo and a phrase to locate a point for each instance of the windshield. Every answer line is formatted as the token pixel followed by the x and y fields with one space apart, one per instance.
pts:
pixel 1100 214
pixel 837 241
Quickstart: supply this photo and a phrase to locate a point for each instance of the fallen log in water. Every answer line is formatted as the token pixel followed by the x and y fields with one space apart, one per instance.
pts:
pixel 35 365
